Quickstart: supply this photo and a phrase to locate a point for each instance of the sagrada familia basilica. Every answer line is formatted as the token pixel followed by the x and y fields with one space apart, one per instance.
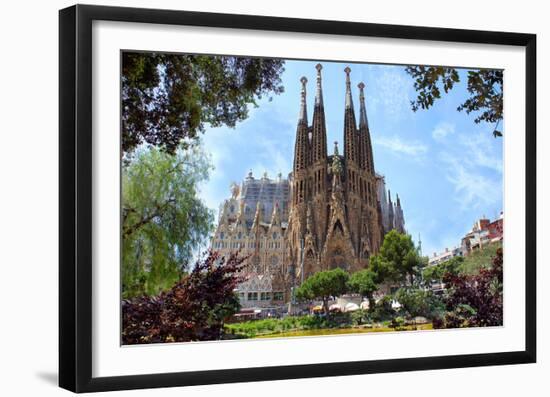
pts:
pixel 331 212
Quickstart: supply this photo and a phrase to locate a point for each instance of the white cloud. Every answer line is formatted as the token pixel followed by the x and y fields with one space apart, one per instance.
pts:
pixel 399 146
pixel 480 150
pixel 473 189
pixel 391 92
pixel 442 130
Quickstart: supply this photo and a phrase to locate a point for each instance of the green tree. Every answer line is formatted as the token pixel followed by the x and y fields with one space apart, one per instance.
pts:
pixel 363 282
pixel 418 302
pixel 437 272
pixel 168 98
pixel 163 220
pixel 398 259
pixel 484 86
pixel 323 285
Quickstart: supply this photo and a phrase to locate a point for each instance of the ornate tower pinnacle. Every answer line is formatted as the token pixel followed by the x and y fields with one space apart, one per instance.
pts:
pixel 276 216
pixel 319 93
pixel 362 110
pixel 365 145
pixel 318 129
pixel 349 102
pixel 336 162
pixel 303 104
pixel 301 148
pixel 350 129
pixel 257 216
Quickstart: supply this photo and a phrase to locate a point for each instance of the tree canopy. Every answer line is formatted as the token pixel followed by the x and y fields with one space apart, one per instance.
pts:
pixel 322 285
pixel 364 283
pixel 168 98
pixel 419 302
pixel 484 86
pixel 163 220
pixel 437 272
pixel 398 259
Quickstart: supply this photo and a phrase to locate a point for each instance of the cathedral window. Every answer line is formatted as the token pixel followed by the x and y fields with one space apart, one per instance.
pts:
pixel 252 296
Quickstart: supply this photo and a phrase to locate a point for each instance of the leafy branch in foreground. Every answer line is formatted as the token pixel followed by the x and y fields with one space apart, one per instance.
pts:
pixel 195 308
pixel 484 85
pixel 168 98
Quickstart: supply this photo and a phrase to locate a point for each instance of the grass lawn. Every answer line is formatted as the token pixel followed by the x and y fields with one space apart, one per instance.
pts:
pixel 306 326
pixel 480 259
pixel 342 331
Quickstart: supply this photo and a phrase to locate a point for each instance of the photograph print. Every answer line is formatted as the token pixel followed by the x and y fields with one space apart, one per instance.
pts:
pixel 275 198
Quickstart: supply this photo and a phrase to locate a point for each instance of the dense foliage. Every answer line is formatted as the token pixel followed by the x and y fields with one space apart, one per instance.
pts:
pixel 324 285
pixel 168 98
pixel 419 302
pixel 398 260
pixel 163 220
pixel 436 273
pixel 253 328
pixel 475 300
pixel 195 308
pixel 484 86
pixel 364 283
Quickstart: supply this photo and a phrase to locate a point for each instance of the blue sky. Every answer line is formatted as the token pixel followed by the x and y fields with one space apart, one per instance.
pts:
pixel 446 169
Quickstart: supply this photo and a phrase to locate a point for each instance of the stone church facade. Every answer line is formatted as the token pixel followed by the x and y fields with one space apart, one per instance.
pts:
pixel 254 220
pixel 331 212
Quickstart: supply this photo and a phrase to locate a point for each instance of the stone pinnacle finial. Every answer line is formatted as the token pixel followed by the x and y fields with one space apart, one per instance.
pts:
pixel 303 106
pixel 363 110
pixel 319 93
pixel 348 87
pixel 361 86
pixel 337 166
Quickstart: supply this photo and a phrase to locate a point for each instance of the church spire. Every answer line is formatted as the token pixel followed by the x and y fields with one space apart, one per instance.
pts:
pixel 349 100
pixel 303 104
pixel 241 216
pixel 257 216
pixel 365 144
pixel 319 130
pixel 363 122
pixel 391 212
pixel 301 151
pixel 336 167
pixel 276 216
pixel 350 150
pixel 319 92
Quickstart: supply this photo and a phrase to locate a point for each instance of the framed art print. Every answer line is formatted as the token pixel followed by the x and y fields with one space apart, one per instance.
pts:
pixel 248 198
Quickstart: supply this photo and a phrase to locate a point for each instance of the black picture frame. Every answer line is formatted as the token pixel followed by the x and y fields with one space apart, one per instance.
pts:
pixel 75 197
